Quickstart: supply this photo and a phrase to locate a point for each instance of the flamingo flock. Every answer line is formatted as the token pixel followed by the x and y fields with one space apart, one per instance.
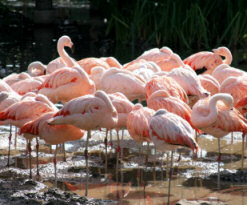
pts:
pixel 97 93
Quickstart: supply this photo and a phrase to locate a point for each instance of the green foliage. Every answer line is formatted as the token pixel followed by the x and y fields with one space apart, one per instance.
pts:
pixel 176 23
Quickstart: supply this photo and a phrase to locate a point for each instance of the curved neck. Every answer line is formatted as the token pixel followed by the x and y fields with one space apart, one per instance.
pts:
pixel 106 99
pixel 201 121
pixel 36 65
pixel 228 56
pixel 63 54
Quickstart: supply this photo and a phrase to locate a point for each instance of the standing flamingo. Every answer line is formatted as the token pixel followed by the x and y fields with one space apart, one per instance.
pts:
pixel 209 60
pixel 216 116
pixel 88 112
pixel 24 111
pixel 66 84
pixel 168 131
pixel 51 134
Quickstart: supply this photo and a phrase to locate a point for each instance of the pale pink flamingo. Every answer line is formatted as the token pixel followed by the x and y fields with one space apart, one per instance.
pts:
pixel 216 116
pixel 224 71
pixel 51 134
pixel 27 85
pixel 24 111
pixel 5 87
pixel 167 132
pixel 16 77
pixel 36 68
pixel 120 80
pixel 96 74
pixel 88 112
pixel 190 82
pixel 66 84
pixel 161 99
pixel 112 62
pixel 168 84
pixel 235 86
pixel 88 63
pixel 138 124
pixel 209 83
pixel 64 60
pixel 209 60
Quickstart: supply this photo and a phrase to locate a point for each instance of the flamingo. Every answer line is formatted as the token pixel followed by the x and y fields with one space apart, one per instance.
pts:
pixel 24 111
pixel 209 83
pixel 161 99
pixel 96 74
pixel 88 112
pixel 120 80
pixel 5 87
pixel 15 77
pixel 224 71
pixel 66 84
pixel 215 115
pixel 64 59
pixel 168 131
pixel 36 68
pixel 55 134
pixel 235 86
pixel 209 60
pixel 165 83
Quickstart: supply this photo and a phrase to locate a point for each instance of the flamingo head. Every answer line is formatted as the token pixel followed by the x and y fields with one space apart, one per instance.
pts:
pixel 66 41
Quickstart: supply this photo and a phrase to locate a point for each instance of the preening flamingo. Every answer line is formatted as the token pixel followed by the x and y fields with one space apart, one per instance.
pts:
pixel 209 60
pixel 51 134
pixel 224 71
pixel 66 84
pixel 88 112
pixel 36 68
pixel 216 116
pixel 209 83
pixel 168 131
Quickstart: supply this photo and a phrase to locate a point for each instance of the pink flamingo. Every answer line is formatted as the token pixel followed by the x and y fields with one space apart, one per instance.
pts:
pixel 15 77
pixel 66 84
pixel 224 71
pixel 138 123
pixel 168 131
pixel 209 60
pixel 88 112
pixel 55 134
pixel 168 84
pixel 24 111
pixel 5 87
pixel 216 116
pixel 209 83
pixel 235 86
pixel 28 85
pixel 120 80
pixel 241 105
pixel 161 99
pixel 36 68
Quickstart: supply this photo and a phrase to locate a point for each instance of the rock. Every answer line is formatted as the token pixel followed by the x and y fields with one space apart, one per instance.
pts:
pixel 199 202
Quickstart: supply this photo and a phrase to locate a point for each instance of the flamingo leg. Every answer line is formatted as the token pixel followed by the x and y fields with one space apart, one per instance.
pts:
pixel 147 154
pixel 242 161
pixel 167 162
pixel 55 165
pixel 219 160
pixel 111 143
pixel 16 136
pixel 121 156
pixel 37 155
pixel 10 135
pixel 170 178
pixel 117 157
pixel 106 152
pixel 30 158
pixel 154 165
pixel 64 152
pixel 86 157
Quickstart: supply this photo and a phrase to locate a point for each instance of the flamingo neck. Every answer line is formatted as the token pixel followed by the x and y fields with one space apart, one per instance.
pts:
pixel 228 57
pixel 64 55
